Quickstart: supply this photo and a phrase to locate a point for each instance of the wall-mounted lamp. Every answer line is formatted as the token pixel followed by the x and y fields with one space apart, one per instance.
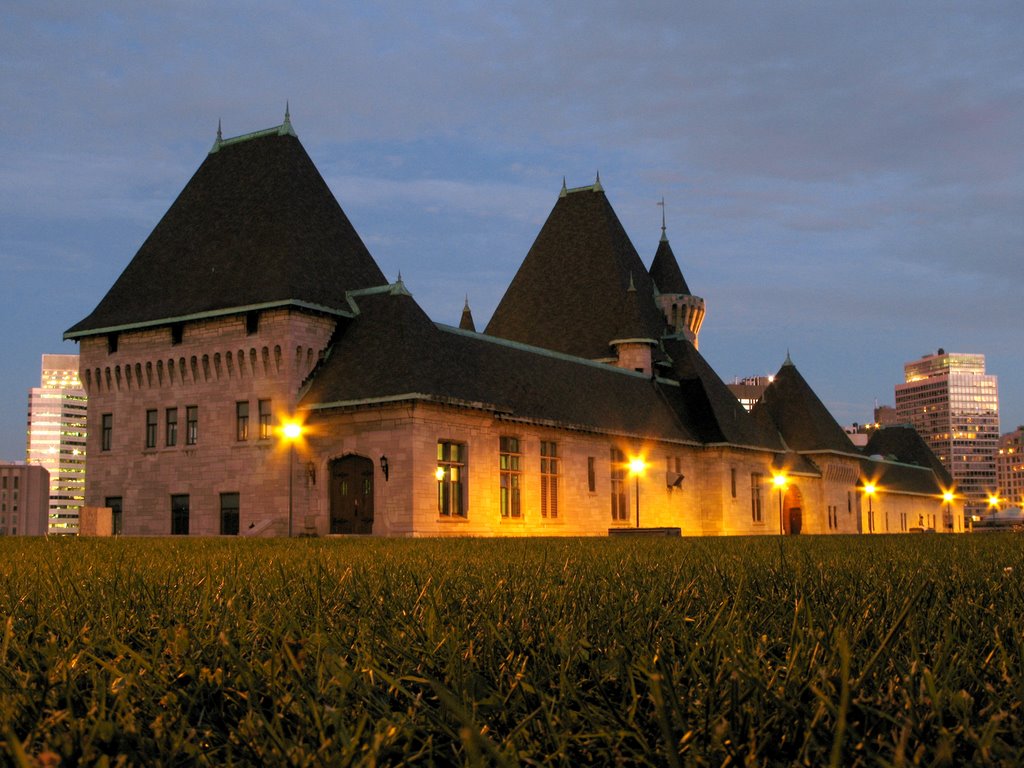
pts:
pixel 384 467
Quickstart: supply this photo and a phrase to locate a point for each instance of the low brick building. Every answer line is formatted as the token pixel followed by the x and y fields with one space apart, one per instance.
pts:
pixel 252 371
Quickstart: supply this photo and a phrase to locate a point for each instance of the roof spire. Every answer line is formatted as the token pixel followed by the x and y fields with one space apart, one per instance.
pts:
pixel 218 140
pixel 565 190
pixel 664 237
pixel 466 321
pixel 789 361
pixel 597 183
pixel 286 127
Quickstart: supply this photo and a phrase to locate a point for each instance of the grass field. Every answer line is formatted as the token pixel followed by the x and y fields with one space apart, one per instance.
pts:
pixel 843 651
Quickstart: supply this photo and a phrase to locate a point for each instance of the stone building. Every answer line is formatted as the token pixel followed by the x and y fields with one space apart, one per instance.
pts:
pixel 24 499
pixel 252 371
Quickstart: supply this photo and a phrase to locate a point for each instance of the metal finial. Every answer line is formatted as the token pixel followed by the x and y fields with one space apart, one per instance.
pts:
pixel 565 190
pixel 597 183
pixel 467 302
pixel 287 112
pixel 632 285
pixel 218 140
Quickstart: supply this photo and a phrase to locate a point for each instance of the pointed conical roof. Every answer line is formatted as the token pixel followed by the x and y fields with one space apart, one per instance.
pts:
pixel 466 321
pixel 707 407
pixel 567 293
pixel 255 226
pixel 801 418
pixel 665 271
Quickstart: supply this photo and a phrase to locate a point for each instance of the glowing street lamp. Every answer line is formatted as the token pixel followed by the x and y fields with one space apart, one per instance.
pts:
pixel 779 481
pixel 291 431
pixel 869 491
pixel 637 466
pixel 947 497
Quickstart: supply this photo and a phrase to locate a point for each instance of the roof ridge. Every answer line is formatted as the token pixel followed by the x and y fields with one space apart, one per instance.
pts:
pixel 284 129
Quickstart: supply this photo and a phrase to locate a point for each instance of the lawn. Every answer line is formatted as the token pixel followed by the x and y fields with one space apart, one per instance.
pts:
pixel 838 650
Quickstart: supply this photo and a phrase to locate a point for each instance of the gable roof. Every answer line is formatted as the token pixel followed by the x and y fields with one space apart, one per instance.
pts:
pixel 568 291
pixel 665 271
pixel 255 226
pixel 791 406
pixel 391 351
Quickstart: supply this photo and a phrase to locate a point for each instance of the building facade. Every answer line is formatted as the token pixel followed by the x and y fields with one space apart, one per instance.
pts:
pixel 954 405
pixel 24 499
pixel 278 384
pixel 56 440
pixel 1010 470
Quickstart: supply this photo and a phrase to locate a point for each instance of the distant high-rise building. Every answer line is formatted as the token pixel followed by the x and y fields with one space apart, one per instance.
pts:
pixel 1010 469
pixel 749 390
pixel 56 438
pixel 954 405
pixel 23 499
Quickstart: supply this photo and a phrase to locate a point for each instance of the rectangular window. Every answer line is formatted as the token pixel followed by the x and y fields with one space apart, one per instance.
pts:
pixel 179 515
pixel 106 431
pixel 151 429
pixel 549 479
pixel 242 420
pixel 172 427
pixel 266 421
pixel 591 474
pixel 732 481
pixel 116 514
pixel 229 514
pixel 756 481
pixel 618 477
pixel 191 424
pixel 450 473
pixel 509 471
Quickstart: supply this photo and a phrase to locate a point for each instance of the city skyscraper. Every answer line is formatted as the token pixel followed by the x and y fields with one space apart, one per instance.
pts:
pixel 954 405
pixel 1010 469
pixel 56 438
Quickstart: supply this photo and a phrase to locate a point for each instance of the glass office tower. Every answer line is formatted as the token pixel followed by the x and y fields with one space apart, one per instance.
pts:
pixel 56 438
pixel 954 405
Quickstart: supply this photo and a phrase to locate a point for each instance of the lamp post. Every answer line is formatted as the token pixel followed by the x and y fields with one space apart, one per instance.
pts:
pixel 292 431
pixel 947 497
pixel 637 466
pixel 869 491
pixel 779 481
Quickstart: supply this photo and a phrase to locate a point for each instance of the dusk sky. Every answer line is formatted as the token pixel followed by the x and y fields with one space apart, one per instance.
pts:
pixel 844 182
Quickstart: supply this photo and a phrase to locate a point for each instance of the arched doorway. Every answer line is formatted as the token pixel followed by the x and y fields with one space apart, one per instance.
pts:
pixel 351 495
pixel 792 508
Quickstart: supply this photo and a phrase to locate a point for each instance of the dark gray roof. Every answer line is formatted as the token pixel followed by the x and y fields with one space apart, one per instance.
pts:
pixel 256 225
pixel 466 321
pixel 791 406
pixel 905 445
pixel 665 271
pixel 905 478
pixel 707 407
pixel 392 350
pixel 568 291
